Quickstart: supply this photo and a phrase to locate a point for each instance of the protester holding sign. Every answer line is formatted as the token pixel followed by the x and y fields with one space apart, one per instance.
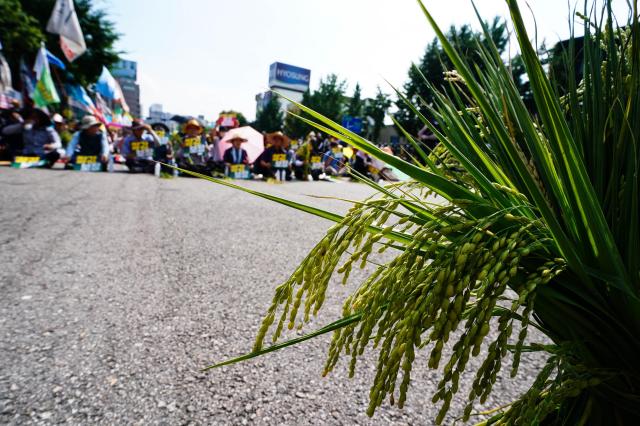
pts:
pixel 163 151
pixel 236 159
pixel 236 154
pixel 334 159
pixel 89 146
pixel 291 156
pixel 303 155
pixel 138 148
pixel 309 158
pixel 193 153
pixel 273 162
pixel 115 139
pixel 40 140
pixel 360 162
pixel 62 128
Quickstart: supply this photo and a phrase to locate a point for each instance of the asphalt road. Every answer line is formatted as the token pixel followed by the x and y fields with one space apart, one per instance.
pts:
pixel 116 289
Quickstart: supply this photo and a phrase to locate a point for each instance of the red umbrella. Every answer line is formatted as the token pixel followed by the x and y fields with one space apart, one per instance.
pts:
pixel 254 144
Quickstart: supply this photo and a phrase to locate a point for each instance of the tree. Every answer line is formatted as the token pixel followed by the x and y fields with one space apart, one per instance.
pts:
pixel 21 34
pixel 328 100
pixel 435 62
pixel 270 117
pixel 377 108
pixel 356 103
pixel 293 126
pixel 99 35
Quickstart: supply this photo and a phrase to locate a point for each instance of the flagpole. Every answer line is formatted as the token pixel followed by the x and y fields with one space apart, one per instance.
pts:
pixel 62 89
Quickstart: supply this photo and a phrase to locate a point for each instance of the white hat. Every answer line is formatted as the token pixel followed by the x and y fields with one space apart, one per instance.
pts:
pixel 233 135
pixel 57 118
pixel 88 121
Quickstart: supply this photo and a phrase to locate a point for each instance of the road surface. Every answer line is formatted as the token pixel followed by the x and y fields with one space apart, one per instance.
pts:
pixel 116 289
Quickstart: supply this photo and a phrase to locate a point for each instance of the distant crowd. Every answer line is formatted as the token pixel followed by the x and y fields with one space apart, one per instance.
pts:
pixel 33 138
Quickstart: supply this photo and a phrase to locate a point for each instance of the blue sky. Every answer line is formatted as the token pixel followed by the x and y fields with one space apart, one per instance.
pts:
pixel 200 57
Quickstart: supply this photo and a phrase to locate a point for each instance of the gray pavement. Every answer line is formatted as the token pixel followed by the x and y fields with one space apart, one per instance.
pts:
pixel 116 289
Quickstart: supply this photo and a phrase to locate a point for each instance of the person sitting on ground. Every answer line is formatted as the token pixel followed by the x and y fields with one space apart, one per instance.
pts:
pixel 236 155
pixel 334 159
pixel 301 164
pixel 215 160
pixel 163 151
pixel 273 162
pixel 89 141
pixel 38 136
pixel 319 142
pixel 386 172
pixel 115 139
pixel 291 156
pixel 62 128
pixel 192 154
pixel 359 163
pixel 309 158
pixel 10 145
pixel 257 164
pixel 137 148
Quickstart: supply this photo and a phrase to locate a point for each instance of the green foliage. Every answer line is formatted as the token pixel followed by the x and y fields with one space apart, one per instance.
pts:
pixel 270 117
pixel 377 108
pixel 559 55
pixel 295 128
pixel 329 100
pixel 21 34
pixel 292 126
pixel 355 108
pixel 99 35
pixel 519 74
pixel 514 222
pixel 435 62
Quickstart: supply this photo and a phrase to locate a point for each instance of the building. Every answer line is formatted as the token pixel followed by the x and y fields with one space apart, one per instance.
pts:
pixel 389 136
pixel 289 80
pixel 126 73
pixel 158 115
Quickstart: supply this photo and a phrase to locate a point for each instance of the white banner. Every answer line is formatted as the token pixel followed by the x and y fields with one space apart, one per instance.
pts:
pixel 64 21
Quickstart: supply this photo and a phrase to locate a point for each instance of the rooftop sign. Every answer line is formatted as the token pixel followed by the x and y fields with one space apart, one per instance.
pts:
pixel 290 77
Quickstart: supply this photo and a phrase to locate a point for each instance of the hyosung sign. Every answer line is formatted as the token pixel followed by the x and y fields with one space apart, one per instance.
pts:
pixel 286 76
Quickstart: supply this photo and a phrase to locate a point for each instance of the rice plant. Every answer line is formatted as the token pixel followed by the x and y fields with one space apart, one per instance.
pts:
pixel 536 226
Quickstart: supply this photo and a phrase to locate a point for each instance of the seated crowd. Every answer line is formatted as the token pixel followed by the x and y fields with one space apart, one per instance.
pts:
pixel 44 140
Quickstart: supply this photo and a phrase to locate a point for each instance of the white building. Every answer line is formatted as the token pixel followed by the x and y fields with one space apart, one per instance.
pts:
pixel 157 115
